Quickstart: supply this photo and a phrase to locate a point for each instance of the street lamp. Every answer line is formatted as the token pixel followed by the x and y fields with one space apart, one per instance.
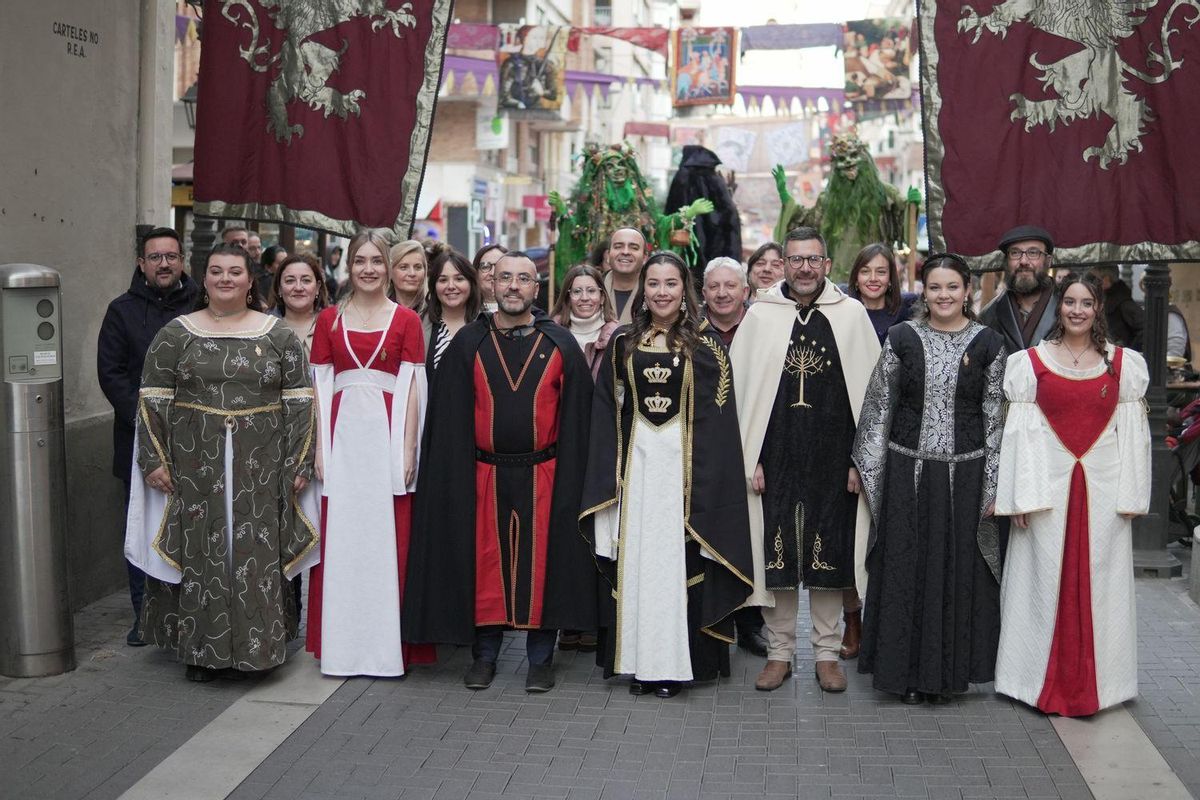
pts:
pixel 189 105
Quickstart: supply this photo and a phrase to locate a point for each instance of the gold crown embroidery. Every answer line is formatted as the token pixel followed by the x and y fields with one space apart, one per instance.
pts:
pixel 657 374
pixel 658 404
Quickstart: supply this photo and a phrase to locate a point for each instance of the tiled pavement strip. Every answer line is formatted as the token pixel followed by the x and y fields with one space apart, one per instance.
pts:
pixel 96 732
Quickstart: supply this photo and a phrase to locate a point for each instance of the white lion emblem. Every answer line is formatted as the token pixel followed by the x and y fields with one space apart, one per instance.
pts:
pixel 1091 81
pixel 303 67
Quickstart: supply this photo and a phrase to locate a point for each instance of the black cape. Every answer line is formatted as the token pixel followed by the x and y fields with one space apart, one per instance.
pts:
pixel 439 596
pixel 718 233
pixel 718 516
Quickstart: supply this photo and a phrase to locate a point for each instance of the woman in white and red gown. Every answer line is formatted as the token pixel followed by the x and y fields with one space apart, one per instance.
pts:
pixel 368 359
pixel 1074 470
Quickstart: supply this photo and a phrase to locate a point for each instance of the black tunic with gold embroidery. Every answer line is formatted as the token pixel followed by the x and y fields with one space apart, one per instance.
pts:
pixel 715 509
pixel 495 538
pixel 808 515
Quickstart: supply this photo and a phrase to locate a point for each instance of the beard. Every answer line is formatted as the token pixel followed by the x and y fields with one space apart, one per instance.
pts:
pixel 1026 282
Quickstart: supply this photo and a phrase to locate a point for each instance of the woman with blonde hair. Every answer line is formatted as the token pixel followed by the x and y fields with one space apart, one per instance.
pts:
pixel 368 357
pixel 585 309
pixel 408 268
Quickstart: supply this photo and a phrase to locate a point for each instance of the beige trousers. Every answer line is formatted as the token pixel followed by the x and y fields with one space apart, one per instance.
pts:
pixel 825 608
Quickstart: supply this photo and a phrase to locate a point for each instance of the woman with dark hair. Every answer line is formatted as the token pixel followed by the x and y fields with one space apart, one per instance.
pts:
pixel 664 498
pixel 484 263
pixel 765 267
pixel 585 309
pixel 455 298
pixel 224 440
pixel 299 292
pixel 927 451
pixel 1074 472
pixel 875 282
pixel 368 358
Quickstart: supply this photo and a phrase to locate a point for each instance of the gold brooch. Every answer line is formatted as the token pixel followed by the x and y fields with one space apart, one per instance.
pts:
pixel 257 350
pixel 1104 391
pixel 966 360
pixel 383 354
pixel 657 374
pixel 658 404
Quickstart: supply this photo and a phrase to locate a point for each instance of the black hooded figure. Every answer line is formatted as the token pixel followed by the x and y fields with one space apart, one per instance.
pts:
pixel 719 233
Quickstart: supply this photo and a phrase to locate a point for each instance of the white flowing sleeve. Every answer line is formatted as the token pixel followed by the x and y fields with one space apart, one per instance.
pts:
pixel 410 378
pixel 1023 484
pixel 1133 436
pixel 322 381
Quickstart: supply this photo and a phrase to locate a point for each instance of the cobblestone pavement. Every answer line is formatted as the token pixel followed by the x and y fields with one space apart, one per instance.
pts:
pixel 94 732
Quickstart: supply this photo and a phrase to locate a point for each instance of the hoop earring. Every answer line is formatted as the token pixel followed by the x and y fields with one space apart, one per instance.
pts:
pixel 249 298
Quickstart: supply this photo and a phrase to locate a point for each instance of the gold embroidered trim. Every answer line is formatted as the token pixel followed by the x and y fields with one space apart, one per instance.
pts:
pixel 156 393
pixel 162 529
pixel 723 383
pixel 158 449
pixel 778 562
pixel 296 394
pixel 253 333
pixel 230 412
pixel 695 579
pixel 312 529
pixel 715 635
pixel 720 558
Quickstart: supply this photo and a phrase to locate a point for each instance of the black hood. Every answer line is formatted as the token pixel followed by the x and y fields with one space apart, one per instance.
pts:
pixel 696 156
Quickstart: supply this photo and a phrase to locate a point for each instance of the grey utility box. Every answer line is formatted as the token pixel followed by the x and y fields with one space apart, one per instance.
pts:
pixel 36 636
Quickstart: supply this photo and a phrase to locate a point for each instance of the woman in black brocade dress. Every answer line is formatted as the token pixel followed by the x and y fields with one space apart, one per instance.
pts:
pixel 927 449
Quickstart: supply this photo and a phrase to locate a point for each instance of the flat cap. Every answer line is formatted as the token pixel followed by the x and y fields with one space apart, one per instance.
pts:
pixel 1023 233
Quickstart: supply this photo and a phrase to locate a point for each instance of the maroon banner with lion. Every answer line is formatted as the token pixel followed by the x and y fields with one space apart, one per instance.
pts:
pixel 317 112
pixel 1080 122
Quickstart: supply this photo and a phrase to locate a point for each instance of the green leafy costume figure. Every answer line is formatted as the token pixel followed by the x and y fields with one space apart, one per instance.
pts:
pixel 855 209
pixel 612 194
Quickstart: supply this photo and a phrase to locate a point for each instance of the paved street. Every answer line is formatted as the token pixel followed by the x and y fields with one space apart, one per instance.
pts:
pixel 110 726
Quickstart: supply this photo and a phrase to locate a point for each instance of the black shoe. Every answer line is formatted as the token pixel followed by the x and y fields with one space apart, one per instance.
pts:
pixel 568 640
pixel 641 687
pixel 540 678
pixel 587 642
pixel 200 674
pixel 134 637
pixel 668 689
pixel 912 698
pixel 480 675
pixel 752 641
pixel 938 699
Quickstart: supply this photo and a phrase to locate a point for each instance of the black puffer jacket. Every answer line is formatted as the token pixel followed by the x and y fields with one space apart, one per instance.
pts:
pixel 130 325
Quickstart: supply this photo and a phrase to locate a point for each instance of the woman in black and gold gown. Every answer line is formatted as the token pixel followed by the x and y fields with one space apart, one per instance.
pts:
pixel 664 498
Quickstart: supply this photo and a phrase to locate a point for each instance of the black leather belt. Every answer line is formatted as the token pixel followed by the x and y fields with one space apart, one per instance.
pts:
pixel 516 459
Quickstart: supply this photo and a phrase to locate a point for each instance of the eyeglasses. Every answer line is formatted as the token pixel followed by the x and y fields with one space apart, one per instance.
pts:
pixel 813 261
pixel 485 267
pixel 585 291
pixel 158 258
pixel 524 279
pixel 1033 254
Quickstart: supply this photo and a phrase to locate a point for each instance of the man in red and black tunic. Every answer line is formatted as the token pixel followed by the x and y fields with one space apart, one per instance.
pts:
pixel 495 542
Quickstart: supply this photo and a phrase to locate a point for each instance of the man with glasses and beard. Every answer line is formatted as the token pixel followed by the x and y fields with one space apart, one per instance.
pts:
pixel 159 292
pixel 509 419
pixel 1024 313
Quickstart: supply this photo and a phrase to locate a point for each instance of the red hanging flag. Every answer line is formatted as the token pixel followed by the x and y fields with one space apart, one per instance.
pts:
pixel 1082 123
pixel 317 112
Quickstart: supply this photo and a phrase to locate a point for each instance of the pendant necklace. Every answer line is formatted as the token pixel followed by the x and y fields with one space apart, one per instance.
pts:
pixel 1074 358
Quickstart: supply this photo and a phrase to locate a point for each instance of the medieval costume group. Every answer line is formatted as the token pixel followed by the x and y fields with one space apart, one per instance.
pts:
pixel 444 487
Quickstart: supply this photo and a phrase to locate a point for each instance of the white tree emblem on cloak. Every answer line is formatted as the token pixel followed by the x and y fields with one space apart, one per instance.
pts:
pixel 803 360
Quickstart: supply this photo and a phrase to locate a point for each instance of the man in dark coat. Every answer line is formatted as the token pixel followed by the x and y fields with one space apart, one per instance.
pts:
pixel 158 293
pixel 1024 313
pixel 495 542
pixel 1125 317
pixel 718 233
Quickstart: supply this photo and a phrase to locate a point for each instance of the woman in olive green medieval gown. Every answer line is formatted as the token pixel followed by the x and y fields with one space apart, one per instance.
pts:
pixel 225 443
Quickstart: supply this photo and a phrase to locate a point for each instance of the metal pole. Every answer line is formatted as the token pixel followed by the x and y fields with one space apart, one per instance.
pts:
pixel 1151 533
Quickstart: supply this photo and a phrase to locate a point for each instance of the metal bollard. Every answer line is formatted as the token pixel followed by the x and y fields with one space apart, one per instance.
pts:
pixel 36 636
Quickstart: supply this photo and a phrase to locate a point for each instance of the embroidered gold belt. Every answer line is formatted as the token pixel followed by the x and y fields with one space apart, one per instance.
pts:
pixel 230 413
pixel 925 455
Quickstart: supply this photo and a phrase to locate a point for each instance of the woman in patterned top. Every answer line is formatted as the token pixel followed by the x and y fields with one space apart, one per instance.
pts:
pixel 224 440
pixel 927 451
pixel 455 298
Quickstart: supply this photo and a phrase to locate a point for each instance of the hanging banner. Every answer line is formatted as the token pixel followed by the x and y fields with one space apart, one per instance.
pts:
pixel 532 63
pixel 878 60
pixel 788 145
pixel 702 68
pixel 323 129
pixel 790 37
pixel 1086 131
pixel 734 146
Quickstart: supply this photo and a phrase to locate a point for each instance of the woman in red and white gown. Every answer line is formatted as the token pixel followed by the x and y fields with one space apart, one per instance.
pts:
pixel 1074 471
pixel 368 358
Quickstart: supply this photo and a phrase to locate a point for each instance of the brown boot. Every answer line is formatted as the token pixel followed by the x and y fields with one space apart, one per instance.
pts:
pixel 830 676
pixel 773 675
pixel 852 636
